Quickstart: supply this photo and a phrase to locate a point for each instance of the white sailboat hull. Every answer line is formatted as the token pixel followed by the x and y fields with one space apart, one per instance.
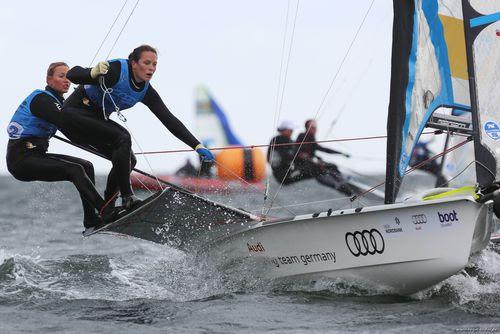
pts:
pixel 402 247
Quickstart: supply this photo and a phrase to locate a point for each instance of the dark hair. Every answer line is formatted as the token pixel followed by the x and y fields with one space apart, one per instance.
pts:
pixel 136 54
pixel 308 122
pixel 53 66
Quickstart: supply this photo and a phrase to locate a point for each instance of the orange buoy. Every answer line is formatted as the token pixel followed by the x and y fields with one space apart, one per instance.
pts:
pixel 248 164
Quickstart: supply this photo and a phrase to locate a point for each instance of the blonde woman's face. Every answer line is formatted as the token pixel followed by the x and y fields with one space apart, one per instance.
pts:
pixel 58 81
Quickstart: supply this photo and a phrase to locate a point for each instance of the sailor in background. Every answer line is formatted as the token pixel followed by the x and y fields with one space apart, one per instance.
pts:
pixel 115 86
pixel 33 124
pixel 422 153
pixel 281 153
pixel 311 165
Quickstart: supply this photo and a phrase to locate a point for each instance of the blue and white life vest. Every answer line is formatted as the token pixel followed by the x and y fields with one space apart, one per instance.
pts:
pixel 123 95
pixel 24 124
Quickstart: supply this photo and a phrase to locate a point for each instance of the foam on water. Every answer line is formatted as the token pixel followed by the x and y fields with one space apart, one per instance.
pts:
pixel 3 255
pixel 479 281
pixel 165 273
pixel 157 272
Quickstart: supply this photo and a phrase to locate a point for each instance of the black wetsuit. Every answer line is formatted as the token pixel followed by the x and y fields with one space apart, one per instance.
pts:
pixel 326 173
pixel 28 160
pixel 85 124
pixel 282 158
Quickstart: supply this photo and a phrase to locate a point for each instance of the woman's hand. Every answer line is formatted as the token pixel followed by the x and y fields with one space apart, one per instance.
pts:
pixel 101 68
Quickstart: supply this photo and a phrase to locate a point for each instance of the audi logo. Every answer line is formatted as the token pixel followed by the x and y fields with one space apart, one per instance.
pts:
pixel 419 219
pixel 365 242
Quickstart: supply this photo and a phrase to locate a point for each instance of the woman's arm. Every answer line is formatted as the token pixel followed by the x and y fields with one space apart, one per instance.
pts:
pixel 81 75
pixel 154 102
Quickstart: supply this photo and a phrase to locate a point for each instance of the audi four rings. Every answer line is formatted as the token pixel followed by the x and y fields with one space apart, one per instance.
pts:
pixel 365 242
pixel 419 219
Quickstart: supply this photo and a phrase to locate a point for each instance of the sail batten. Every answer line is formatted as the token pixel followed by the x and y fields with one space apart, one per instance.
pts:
pixel 483 20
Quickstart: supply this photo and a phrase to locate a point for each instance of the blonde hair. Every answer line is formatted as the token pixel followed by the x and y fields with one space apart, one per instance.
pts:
pixel 53 66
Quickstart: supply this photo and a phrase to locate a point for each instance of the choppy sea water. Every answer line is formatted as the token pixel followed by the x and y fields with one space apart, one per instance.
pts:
pixel 54 281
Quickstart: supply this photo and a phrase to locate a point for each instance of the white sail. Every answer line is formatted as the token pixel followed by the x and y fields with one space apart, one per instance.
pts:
pixel 212 125
pixel 430 76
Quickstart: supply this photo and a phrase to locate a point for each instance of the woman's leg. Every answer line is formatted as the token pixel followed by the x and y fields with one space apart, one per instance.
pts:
pixel 44 167
pixel 84 127
pixel 89 211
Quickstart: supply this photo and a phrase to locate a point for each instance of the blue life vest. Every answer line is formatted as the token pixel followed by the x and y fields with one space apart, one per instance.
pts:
pixel 121 93
pixel 24 124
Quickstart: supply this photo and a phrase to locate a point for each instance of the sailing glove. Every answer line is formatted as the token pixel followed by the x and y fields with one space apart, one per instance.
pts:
pixel 101 68
pixel 204 153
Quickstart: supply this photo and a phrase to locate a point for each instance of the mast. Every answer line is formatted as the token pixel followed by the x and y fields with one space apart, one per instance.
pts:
pixel 401 48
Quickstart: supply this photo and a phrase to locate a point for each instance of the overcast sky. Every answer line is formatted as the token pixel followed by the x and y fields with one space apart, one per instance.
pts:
pixel 233 47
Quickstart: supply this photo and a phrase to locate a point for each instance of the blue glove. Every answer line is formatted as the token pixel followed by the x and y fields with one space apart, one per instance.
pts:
pixel 204 153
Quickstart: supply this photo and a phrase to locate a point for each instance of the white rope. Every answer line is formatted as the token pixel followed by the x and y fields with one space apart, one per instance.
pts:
pixel 275 117
pixel 241 179
pixel 343 61
pixel 281 88
pixel 323 100
pixel 123 27
pixel 107 91
pixel 109 31
pixel 487 169
pixel 145 158
pixel 143 184
pixel 307 203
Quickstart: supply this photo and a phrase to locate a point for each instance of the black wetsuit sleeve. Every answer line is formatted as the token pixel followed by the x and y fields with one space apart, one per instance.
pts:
pixel 81 75
pixel 154 102
pixel 46 108
pixel 326 149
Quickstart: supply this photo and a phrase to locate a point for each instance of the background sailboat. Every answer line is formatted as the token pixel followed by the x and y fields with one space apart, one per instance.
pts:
pixel 236 170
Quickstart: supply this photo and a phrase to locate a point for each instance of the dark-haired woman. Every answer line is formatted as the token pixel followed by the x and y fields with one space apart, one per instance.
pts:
pixel 115 86
pixel 33 124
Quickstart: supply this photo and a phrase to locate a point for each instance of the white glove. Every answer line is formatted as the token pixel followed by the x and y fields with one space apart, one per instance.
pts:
pixel 101 68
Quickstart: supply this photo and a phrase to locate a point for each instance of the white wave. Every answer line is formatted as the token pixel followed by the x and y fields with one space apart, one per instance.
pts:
pixel 3 255
pixel 466 287
pixel 162 273
pixel 489 261
pixel 339 286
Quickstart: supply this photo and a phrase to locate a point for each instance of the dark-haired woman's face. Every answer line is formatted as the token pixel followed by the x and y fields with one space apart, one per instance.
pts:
pixel 146 66
pixel 58 80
